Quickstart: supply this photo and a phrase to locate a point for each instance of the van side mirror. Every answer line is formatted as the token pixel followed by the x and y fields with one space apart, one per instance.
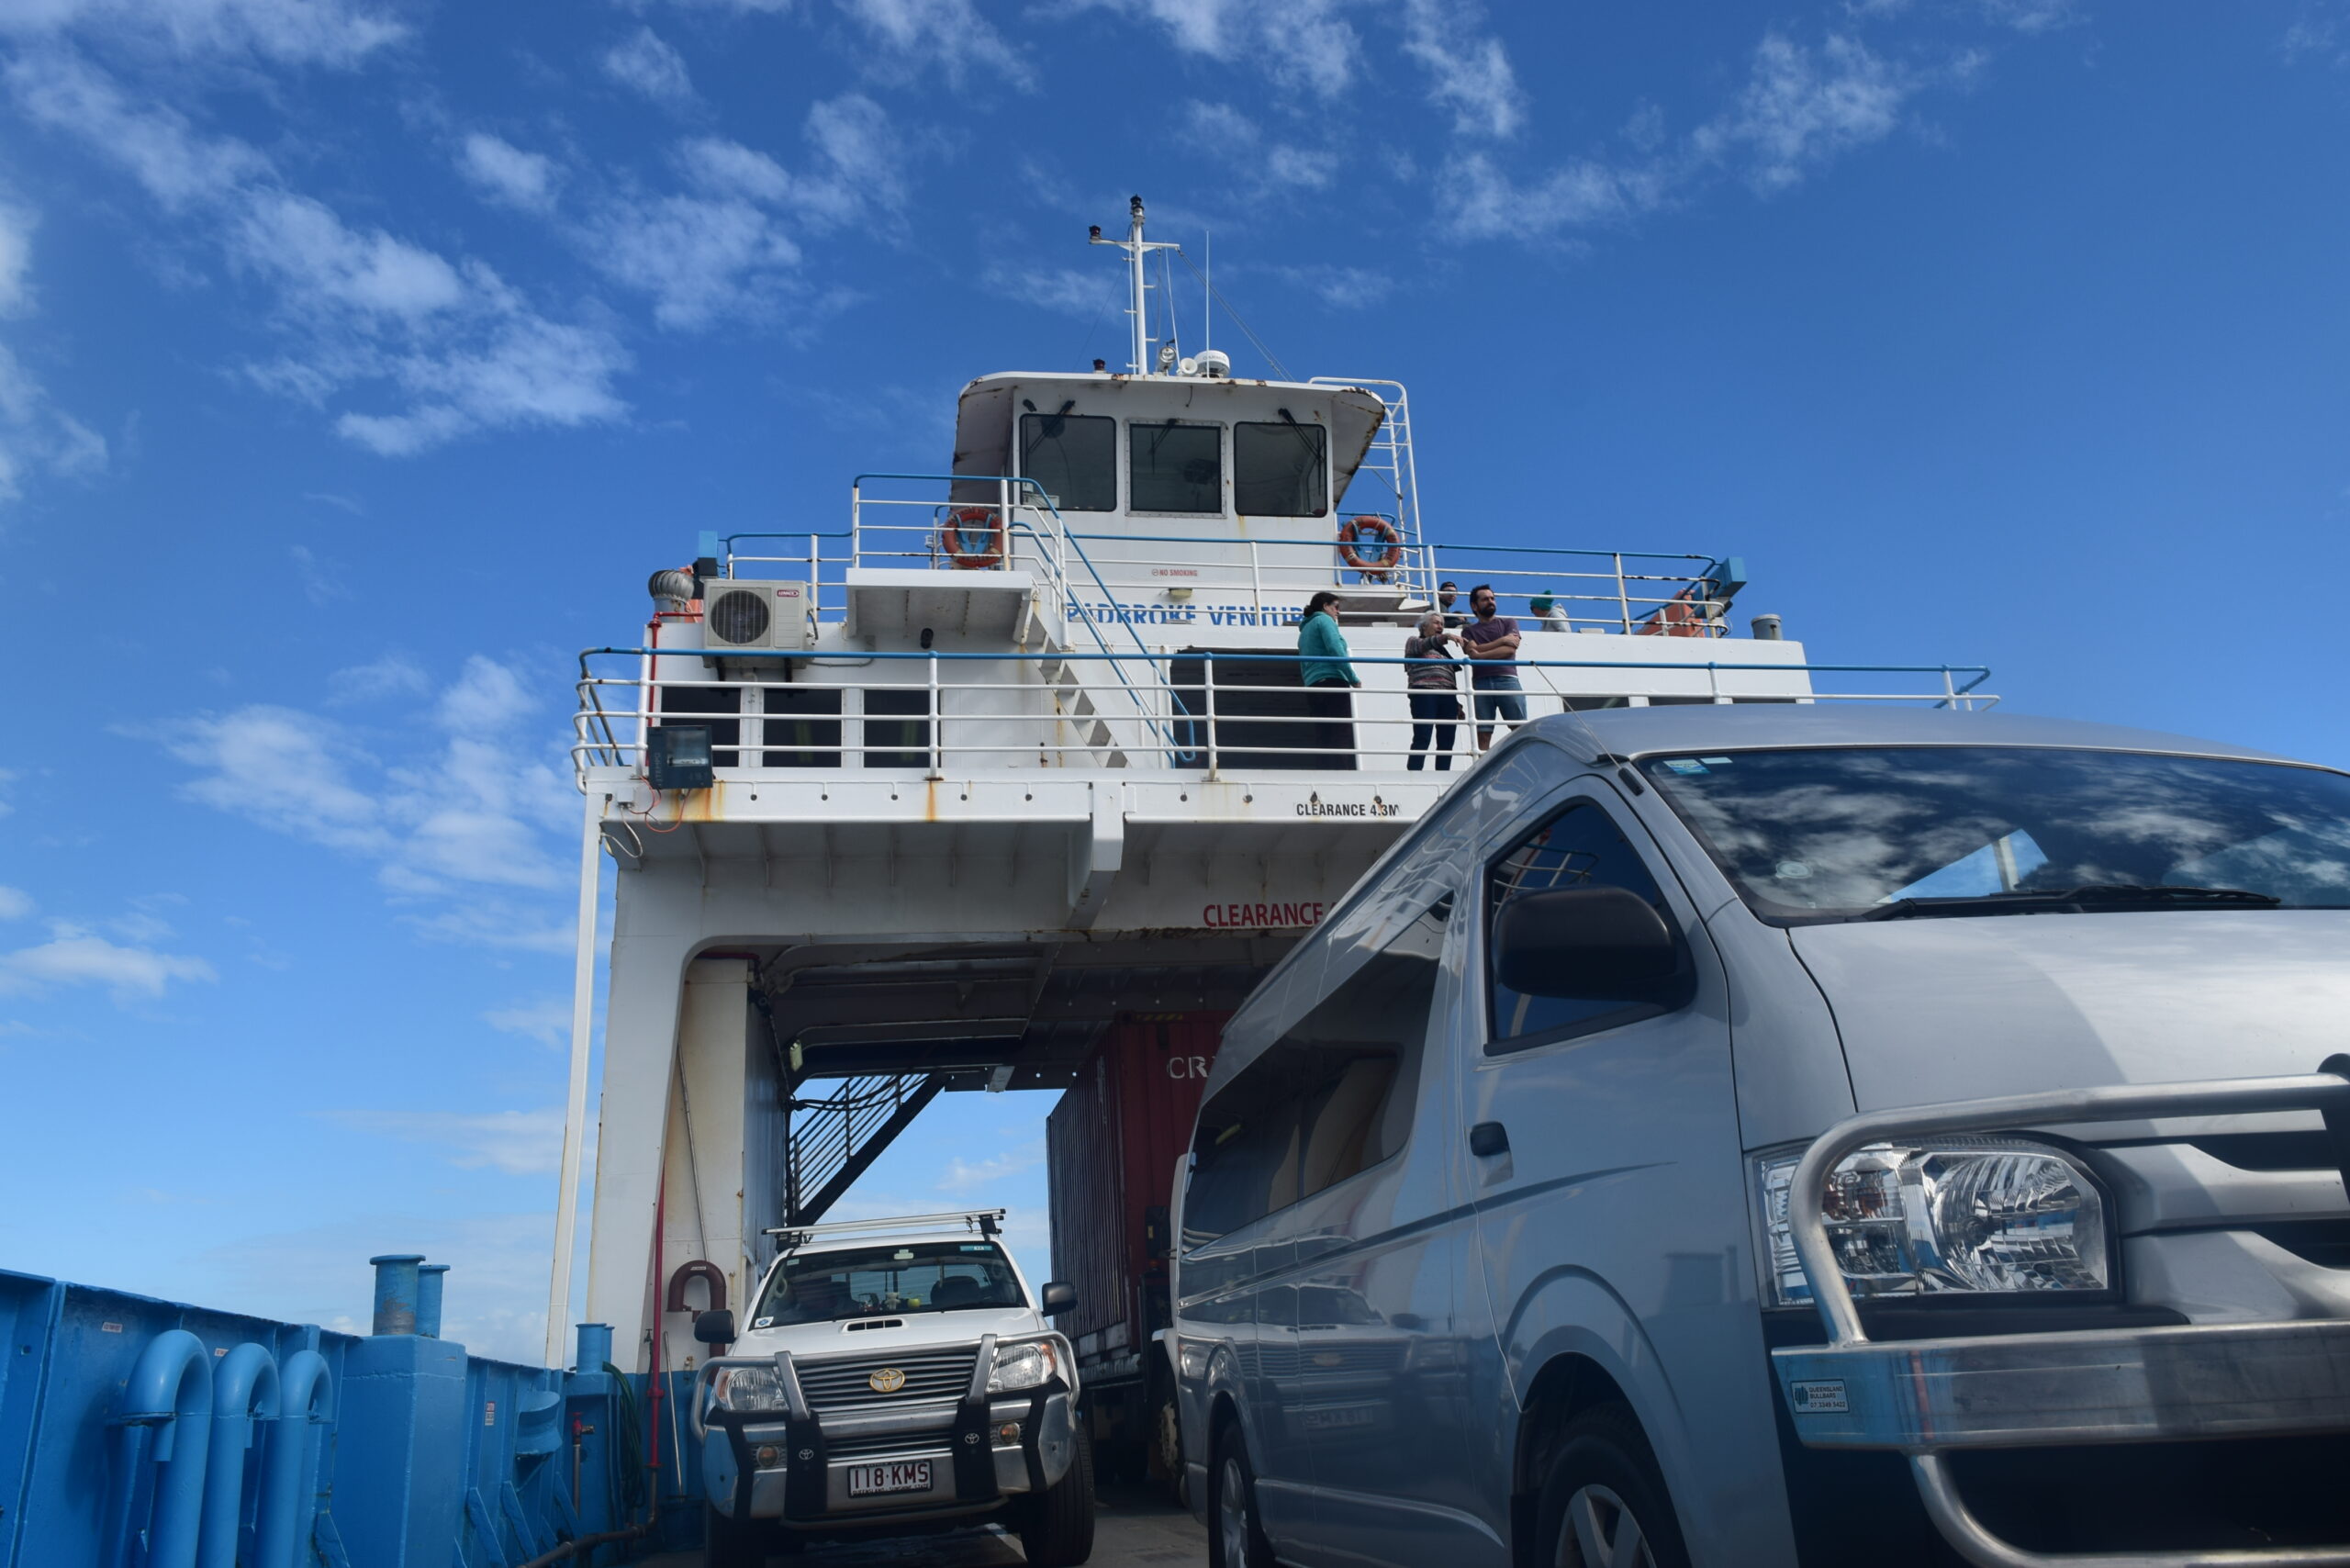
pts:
pixel 1586 943
pixel 1059 1298
pixel 715 1326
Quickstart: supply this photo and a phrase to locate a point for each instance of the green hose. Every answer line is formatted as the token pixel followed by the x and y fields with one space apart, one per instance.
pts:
pixel 624 1455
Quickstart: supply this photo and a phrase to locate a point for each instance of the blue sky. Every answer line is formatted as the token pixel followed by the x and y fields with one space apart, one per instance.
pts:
pixel 358 359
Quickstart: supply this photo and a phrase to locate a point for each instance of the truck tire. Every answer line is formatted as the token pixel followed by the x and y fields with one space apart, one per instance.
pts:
pixel 1057 1531
pixel 1235 1531
pixel 1604 1502
pixel 733 1543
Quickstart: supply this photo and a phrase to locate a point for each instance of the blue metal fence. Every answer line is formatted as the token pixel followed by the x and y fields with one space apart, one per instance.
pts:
pixel 140 1433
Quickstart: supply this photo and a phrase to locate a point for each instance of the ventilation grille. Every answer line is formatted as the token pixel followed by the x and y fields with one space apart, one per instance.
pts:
pixel 738 618
pixel 831 1386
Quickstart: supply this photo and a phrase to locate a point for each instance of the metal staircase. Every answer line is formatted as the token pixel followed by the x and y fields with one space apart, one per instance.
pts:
pixel 1389 461
pixel 831 1142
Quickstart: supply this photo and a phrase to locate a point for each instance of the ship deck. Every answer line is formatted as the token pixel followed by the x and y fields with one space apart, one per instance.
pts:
pixel 1134 1529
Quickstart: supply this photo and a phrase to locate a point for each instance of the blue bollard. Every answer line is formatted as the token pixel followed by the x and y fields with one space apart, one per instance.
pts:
pixel 395 1291
pixel 244 1390
pixel 428 1299
pixel 595 1347
pixel 289 1479
pixel 170 1393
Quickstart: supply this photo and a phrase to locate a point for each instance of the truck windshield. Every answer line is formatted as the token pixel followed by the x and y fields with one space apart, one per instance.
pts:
pixel 1813 835
pixel 933 1276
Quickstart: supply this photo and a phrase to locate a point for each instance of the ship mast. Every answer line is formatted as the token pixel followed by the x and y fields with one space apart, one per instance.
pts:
pixel 1137 251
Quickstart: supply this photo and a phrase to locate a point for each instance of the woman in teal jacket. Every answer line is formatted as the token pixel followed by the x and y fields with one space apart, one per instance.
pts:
pixel 1328 679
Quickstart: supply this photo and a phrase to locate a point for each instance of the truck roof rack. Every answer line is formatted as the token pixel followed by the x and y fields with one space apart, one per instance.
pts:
pixel 982 1222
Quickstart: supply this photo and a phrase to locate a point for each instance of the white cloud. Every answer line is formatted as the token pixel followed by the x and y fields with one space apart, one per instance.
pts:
pixel 950 34
pixel 76 956
pixel 521 1143
pixel 34 433
pixel 1798 110
pixel 1345 288
pixel 723 248
pixel 469 810
pixel 644 62
pixel 289 32
pixel 2032 16
pixel 15 903
pixel 497 1284
pixel 15 259
pixel 743 7
pixel 1075 292
pixel 154 144
pixel 547 1020
pixel 394 675
pixel 1261 165
pixel 1469 74
pixel 699 259
pixel 1302 45
pixel 1801 108
pixel 461 350
pixel 961 1175
pixel 504 173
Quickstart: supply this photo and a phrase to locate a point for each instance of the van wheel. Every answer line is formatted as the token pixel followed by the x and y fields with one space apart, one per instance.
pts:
pixel 1603 1502
pixel 1058 1529
pixel 1235 1532
pixel 733 1543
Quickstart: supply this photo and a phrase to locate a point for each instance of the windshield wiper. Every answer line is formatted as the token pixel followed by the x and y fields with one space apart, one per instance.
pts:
pixel 2073 901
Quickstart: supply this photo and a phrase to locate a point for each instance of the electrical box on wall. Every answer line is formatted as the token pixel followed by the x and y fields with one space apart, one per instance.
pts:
pixel 677 757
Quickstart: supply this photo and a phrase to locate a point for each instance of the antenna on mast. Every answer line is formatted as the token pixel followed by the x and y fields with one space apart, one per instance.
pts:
pixel 1137 251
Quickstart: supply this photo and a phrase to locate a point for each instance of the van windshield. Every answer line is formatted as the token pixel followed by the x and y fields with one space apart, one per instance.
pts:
pixel 1819 835
pixel 920 1276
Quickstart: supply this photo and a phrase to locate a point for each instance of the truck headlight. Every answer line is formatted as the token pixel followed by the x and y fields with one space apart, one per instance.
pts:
pixel 1950 1216
pixel 1023 1365
pixel 749 1388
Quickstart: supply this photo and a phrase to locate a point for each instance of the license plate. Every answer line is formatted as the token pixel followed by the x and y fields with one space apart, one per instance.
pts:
pixel 874 1480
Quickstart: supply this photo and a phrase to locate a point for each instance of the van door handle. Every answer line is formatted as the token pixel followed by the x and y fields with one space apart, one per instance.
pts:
pixel 1487 1139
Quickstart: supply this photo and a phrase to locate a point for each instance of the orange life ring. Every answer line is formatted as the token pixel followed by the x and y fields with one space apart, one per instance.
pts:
pixel 955 537
pixel 1376 564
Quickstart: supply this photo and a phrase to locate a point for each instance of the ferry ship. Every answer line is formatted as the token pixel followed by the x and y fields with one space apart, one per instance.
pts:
pixel 1004 777
pixel 1014 776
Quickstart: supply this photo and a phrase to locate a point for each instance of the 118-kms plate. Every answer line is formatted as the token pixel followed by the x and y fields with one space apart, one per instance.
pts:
pixel 874 1480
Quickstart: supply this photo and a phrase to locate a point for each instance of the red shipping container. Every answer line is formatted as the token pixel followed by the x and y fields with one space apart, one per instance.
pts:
pixel 1111 1148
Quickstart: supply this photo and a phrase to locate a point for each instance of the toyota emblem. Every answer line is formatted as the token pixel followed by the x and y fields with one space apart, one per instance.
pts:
pixel 889 1380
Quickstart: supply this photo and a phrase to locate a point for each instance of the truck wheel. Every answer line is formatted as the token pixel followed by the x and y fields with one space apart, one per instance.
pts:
pixel 1235 1533
pixel 1169 1454
pixel 733 1543
pixel 1058 1531
pixel 1603 1502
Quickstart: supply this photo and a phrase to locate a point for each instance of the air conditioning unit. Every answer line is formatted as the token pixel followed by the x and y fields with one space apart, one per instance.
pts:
pixel 754 617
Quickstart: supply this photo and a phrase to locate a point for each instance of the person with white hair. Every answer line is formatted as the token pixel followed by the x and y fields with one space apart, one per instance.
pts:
pixel 1432 681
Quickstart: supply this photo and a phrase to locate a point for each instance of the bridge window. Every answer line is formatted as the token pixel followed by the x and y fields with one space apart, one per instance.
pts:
pixel 1173 467
pixel 1074 457
pixel 897 716
pixel 1280 470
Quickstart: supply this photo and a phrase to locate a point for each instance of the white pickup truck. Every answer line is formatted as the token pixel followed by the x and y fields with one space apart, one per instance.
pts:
pixel 896 1378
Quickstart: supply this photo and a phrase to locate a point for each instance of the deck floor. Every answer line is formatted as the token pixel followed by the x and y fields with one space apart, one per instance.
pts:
pixel 1134 1529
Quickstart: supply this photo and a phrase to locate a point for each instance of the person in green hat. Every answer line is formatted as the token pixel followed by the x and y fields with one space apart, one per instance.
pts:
pixel 1545 609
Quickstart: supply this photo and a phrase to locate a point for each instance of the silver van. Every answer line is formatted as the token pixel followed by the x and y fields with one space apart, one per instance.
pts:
pixel 1755 1135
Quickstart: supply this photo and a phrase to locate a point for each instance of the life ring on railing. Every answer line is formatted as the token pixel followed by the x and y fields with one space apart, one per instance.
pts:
pixel 1375 565
pixel 972 538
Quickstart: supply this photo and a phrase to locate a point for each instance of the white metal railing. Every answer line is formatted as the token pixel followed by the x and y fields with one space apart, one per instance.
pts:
pixel 1186 718
pixel 992 522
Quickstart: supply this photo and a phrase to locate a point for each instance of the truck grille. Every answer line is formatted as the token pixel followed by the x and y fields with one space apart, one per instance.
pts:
pixel 860 1446
pixel 930 1375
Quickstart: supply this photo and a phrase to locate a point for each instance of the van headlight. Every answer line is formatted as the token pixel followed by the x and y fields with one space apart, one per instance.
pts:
pixel 1992 1215
pixel 749 1388
pixel 1024 1365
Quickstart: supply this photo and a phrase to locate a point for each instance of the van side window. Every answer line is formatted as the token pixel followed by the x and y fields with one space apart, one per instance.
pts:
pixel 1328 1100
pixel 1579 847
